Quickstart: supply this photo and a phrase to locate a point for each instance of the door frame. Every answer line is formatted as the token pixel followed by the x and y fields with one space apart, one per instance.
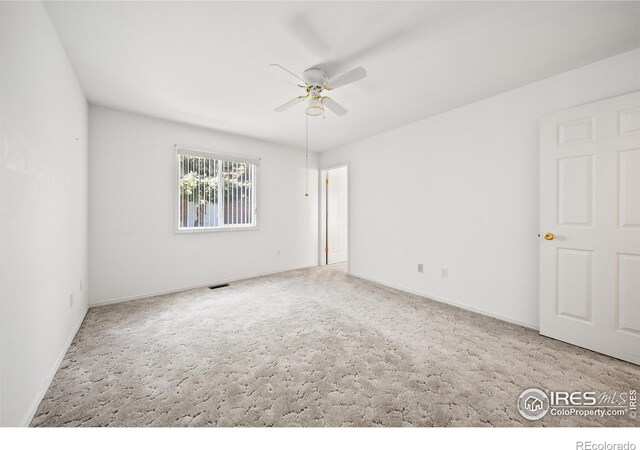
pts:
pixel 322 261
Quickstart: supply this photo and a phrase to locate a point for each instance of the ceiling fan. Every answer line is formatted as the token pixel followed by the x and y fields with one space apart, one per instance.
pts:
pixel 315 82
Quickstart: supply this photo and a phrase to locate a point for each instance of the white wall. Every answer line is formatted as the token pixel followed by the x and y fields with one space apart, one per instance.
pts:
pixel 460 190
pixel 134 250
pixel 43 207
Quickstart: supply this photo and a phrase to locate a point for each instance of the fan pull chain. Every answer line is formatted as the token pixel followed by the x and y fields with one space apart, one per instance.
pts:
pixel 306 155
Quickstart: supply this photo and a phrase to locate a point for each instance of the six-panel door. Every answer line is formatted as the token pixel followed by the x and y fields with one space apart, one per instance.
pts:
pixel 590 203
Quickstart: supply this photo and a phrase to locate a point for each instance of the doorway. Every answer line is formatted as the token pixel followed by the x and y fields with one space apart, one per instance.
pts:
pixel 334 217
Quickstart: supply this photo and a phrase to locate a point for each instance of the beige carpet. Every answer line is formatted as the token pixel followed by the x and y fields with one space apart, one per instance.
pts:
pixel 313 347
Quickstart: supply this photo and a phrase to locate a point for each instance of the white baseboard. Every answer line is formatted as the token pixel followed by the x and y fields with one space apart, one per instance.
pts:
pixel 197 286
pixel 452 303
pixel 31 412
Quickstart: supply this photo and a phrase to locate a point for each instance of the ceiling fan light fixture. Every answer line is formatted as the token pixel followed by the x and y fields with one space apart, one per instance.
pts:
pixel 315 107
pixel 315 111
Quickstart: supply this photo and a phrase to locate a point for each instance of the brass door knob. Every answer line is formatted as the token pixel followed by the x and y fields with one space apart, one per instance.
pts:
pixel 549 236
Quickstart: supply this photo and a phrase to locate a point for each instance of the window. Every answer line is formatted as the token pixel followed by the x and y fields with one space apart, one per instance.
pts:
pixel 215 191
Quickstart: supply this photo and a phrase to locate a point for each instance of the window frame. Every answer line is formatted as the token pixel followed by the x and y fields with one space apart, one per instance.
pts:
pixel 180 150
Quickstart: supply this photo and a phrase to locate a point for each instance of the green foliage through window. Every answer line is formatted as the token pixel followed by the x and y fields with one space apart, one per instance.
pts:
pixel 215 193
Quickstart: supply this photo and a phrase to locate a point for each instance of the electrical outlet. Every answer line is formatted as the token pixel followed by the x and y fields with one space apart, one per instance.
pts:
pixel 445 272
pixel 70 300
pixel 420 268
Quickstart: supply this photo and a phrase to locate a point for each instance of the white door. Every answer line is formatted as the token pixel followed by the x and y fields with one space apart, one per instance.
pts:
pixel 590 226
pixel 337 208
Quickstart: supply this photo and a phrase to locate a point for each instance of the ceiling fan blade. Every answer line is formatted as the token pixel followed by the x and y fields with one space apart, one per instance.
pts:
pixel 288 71
pixel 385 43
pixel 348 77
pixel 334 107
pixel 290 104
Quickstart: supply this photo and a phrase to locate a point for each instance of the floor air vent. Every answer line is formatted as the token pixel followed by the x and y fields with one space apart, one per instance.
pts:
pixel 218 286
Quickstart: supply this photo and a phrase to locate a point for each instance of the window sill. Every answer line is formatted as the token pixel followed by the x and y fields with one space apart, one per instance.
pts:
pixel 214 230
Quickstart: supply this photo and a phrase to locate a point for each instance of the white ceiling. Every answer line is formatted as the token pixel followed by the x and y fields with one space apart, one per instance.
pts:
pixel 205 63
